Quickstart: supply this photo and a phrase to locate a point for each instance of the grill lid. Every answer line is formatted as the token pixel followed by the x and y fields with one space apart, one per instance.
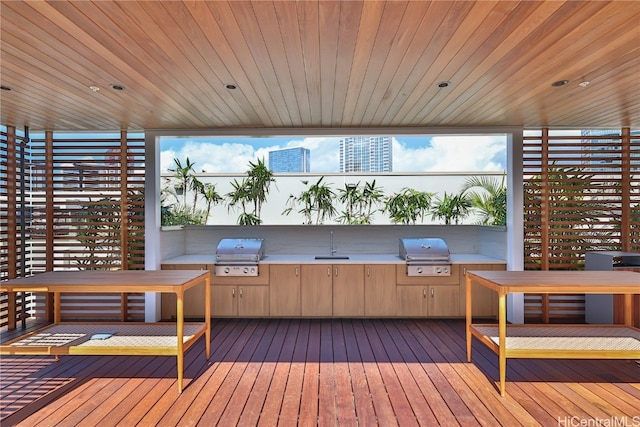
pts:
pixel 427 249
pixel 239 250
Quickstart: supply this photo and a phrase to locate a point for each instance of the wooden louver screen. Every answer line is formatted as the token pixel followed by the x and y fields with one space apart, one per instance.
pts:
pixel 84 205
pixel 581 193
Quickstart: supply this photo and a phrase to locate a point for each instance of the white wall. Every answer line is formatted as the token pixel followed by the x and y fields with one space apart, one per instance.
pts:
pixel 288 184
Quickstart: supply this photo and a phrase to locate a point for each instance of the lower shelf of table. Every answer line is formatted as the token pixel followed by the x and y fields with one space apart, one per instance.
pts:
pixel 130 339
pixel 563 341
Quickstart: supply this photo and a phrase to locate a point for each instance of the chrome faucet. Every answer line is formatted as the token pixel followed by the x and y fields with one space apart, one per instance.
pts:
pixel 333 251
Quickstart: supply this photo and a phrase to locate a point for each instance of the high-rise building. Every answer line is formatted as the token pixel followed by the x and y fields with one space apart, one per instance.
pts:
pixel 290 160
pixel 366 154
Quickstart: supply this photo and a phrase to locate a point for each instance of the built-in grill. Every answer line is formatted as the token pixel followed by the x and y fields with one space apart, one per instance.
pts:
pixel 238 257
pixel 426 256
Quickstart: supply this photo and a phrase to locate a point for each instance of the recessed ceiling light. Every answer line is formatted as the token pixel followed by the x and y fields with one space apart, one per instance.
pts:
pixel 584 84
pixel 560 83
pixel 116 87
pixel 231 86
pixel 7 88
pixel 94 88
pixel 444 84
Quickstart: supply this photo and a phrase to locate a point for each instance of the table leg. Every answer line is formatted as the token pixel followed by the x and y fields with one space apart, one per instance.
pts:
pixel 207 316
pixel 57 316
pixel 469 315
pixel 180 334
pixel 628 309
pixel 502 340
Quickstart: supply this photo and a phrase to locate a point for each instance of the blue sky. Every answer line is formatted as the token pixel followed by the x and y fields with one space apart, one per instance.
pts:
pixel 451 153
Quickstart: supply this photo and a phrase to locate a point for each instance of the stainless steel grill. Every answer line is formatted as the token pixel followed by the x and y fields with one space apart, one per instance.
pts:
pixel 238 257
pixel 426 256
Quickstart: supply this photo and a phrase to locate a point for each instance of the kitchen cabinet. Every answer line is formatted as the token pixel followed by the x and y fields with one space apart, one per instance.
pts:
pixel 484 300
pixel 242 296
pixel 242 301
pixel 348 290
pixel 316 290
pixel 193 302
pixel 433 296
pixel 379 290
pixel 284 290
pixel 426 300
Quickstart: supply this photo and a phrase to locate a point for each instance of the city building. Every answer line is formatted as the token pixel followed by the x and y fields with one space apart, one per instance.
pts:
pixel 290 160
pixel 366 154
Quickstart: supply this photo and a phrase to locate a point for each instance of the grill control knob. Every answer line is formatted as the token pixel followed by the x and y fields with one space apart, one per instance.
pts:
pixel 227 270
pixel 245 270
pixel 419 270
pixel 438 270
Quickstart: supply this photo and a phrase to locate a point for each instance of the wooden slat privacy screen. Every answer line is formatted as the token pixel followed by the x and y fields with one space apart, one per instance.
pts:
pixel 73 203
pixel 581 193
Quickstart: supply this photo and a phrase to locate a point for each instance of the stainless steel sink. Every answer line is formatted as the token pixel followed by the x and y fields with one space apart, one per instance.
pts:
pixel 331 257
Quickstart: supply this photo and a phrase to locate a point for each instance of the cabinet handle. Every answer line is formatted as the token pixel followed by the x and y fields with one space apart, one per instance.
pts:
pixel 296 271
pixel 233 292
pixel 368 271
pixel 424 292
pixel 431 292
pixel 328 271
pixel 240 292
pixel 464 271
pixel 336 271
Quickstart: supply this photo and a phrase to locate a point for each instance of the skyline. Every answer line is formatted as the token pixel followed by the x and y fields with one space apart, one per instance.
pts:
pixel 410 153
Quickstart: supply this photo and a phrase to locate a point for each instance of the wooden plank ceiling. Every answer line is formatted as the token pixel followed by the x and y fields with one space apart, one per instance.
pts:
pixel 318 64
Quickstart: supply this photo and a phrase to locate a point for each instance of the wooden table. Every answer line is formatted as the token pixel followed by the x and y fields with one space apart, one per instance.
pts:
pixel 130 338
pixel 554 341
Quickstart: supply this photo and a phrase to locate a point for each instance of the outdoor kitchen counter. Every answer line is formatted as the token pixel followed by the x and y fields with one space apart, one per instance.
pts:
pixel 353 259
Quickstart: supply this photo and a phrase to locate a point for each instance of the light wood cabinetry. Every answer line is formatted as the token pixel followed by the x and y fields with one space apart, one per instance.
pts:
pixel 348 290
pixel 379 290
pixel 484 300
pixel 242 301
pixel 284 290
pixel 316 290
pixel 193 302
pixel 241 296
pixel 433 296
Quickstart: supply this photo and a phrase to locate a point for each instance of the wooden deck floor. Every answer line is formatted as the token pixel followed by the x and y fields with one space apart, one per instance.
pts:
pixel 319 372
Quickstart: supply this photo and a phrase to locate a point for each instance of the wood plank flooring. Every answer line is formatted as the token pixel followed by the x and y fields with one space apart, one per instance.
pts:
pixel 319 372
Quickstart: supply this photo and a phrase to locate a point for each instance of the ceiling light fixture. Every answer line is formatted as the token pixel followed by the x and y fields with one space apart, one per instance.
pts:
pixel 116 87
pixel 94 88
pixel 231 86
pixel 7 88
pixel 560 83
pixel 444 84
pixel 584 84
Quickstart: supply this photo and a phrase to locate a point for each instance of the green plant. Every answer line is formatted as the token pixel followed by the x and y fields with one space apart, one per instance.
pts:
pixel 252 190
pixel 407 206
pixel 451 207
pixel 490 202
pixel 316 200
pixel 360 203
pixel 573 224
pixel 174 207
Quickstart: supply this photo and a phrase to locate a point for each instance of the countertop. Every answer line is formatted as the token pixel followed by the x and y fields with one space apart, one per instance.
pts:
pixel 353 259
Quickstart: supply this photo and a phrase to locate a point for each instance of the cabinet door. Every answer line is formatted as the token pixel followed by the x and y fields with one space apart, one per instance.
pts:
pixel 193 298
pixel 484 300
pixel 284 290
pixel 411 301
pixel 224 301
pixel 443 301
pixel 253 301
pixel 316 290
pixel 379 290
pixel 348 290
